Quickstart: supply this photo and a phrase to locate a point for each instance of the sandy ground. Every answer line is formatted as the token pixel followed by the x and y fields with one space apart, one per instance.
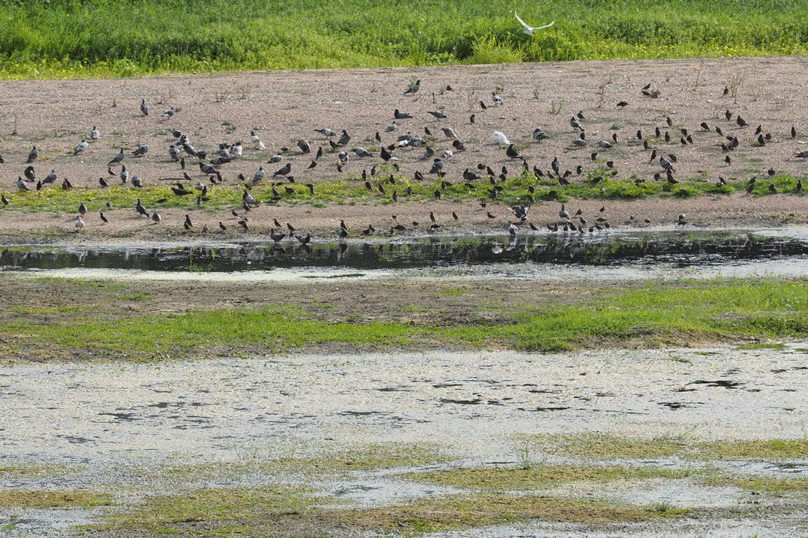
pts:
pixel 284 107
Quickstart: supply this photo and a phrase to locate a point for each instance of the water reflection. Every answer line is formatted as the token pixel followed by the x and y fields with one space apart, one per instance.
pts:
pixel 675 249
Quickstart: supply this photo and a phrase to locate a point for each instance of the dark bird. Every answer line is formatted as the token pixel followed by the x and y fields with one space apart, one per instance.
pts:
pixel 741 122
pixel 793 132
pixel 305 240
pixel 5 200
pixel 772 189
pixel 728 115
pixel 118 158
pixel 413 88
pixel 103 218
pixel 718 130
pixel 29 173
pixel 437 113
pixel 144 108
pixel 397 114
pixel 512 153
pixel 284 170
pixel 622 104
pixel 669 121
pixel 222 226
pixel 188 223
pixel 472 118
pixel 705 126
pixel 304 146
pixel 344 138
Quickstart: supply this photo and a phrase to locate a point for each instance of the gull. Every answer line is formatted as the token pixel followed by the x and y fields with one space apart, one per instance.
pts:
pixel 83 145
pixel 529 29
pixel 499 138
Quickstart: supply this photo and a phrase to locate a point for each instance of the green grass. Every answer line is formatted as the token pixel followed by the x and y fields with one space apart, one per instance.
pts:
pixel 114 38
pixel 652 316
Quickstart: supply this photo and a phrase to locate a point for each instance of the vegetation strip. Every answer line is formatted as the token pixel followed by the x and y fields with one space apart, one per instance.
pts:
pixel 75 38
pixel 713 311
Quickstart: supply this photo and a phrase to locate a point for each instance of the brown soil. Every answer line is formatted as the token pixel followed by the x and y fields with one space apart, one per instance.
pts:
pixel 285 107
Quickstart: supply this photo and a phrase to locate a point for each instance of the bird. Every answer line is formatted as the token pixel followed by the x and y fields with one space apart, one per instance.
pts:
pixel 118 158
pixel 284 170
pixel 82 209
pixel 248 199
pixel 437 113
pixel 556 166
pixel 325 131
pixel 168 113
pixel 499 138
pixel 304 146
pixel 449 132
pixel 539 134
pixel 188 223
pixel 141 150
pixel 124 174
pixel 81 147
pixel 5 200
pixel 512 153
pixel 79 223
pixel 32 155
pixel 305 240
pixel 50 178
pixel 144 108
pixel 104 219
pixel 259 175
pixel 496 98
pixel 575 124
pixel 276 237
pixel 95 134
pixel 156 218
pixel 137 182
pixel 413 87
pixel 530 29
pixel 22 185
pixel 141 209
pixel 563 214
pixel 361 152
pixel 275 158
pixel 344 138
pixel 397 114
pixel 802 154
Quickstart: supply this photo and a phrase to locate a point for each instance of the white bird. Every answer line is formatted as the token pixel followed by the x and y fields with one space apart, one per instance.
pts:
pixel 529 29
pixel 79 223
pixel 447 153
pixel 496 98
pixel 499 138
pixel 564 214
pixel 255 140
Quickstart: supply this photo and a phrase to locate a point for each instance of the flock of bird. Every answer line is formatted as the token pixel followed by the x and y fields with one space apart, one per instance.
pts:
pixel 483 179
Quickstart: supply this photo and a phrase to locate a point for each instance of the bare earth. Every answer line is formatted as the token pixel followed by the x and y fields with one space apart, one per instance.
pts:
pixel 284 107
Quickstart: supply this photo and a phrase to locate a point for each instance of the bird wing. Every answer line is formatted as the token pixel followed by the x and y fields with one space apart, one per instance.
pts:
pixel 530 29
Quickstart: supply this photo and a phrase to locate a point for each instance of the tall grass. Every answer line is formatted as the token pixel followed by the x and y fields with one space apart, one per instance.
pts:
pixel 64 38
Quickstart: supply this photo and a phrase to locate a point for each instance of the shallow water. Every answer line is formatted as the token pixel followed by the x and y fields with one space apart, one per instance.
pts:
pixel 611 255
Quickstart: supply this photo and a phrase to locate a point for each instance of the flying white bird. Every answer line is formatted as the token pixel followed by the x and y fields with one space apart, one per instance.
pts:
pixel 529 29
